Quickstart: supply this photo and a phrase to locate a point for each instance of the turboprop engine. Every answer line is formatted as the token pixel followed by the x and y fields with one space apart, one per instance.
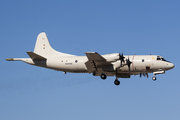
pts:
pixel 116 59
pixel 111 57
pixel 120 62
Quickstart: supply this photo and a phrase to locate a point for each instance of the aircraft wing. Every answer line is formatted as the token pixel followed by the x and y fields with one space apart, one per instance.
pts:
pixel 95 56
pixel 95 62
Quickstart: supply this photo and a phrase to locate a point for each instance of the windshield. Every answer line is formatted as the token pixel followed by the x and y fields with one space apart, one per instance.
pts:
pixel 161 58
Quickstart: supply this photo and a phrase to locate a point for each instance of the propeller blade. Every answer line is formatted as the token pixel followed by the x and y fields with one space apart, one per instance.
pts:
pixel 128 62
pixel 129 68
pixel 121 57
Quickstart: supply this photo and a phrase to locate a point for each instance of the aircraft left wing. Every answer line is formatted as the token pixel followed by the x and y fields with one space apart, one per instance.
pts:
pixel 96 62
pixel 95 56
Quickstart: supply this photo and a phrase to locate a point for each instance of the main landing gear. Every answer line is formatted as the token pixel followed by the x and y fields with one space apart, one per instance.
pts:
pixel 103 76
pixel 116 82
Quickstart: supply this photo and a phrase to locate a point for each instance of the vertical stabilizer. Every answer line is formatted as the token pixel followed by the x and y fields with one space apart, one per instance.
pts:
pixel 44 48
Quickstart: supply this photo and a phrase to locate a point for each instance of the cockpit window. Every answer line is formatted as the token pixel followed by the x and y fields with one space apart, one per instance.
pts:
pixel 158 58
pixel 161 58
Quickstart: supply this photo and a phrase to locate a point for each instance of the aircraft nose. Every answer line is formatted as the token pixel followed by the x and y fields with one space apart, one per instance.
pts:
pixel 170 65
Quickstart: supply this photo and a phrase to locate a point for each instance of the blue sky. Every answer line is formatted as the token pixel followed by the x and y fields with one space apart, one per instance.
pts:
pixel 135 27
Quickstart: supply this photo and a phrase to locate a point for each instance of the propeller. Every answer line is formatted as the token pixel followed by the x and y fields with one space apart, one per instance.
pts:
pixel 128 62
pixel 121 57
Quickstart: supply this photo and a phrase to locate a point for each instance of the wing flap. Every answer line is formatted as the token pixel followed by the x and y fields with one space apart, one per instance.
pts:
pixel 90 66
pixel 100 64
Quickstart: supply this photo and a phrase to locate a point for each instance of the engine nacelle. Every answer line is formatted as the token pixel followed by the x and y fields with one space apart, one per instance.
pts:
pixel 116 64
pixel 111 57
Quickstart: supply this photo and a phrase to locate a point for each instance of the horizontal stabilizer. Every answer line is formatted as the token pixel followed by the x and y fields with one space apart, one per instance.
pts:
pixel 35 56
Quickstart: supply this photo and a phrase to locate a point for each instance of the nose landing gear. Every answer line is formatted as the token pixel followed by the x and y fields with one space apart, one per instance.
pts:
pixel 158 72
pixel 154 78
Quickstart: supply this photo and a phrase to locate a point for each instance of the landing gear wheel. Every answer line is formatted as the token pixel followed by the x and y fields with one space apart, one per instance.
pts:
pixel 154 78
pixel 116 82
pixel 103 76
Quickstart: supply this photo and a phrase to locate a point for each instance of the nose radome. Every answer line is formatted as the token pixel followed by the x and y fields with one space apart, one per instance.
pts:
pixel 171 65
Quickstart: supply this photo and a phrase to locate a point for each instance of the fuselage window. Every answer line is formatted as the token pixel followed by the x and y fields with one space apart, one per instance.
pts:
pixel 142 60
pixel 76 61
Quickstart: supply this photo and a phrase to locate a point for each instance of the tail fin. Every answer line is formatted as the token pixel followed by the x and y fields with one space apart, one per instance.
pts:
pixel 44 48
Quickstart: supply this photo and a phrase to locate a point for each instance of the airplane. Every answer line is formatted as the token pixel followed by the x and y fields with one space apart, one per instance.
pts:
pixel 114 64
